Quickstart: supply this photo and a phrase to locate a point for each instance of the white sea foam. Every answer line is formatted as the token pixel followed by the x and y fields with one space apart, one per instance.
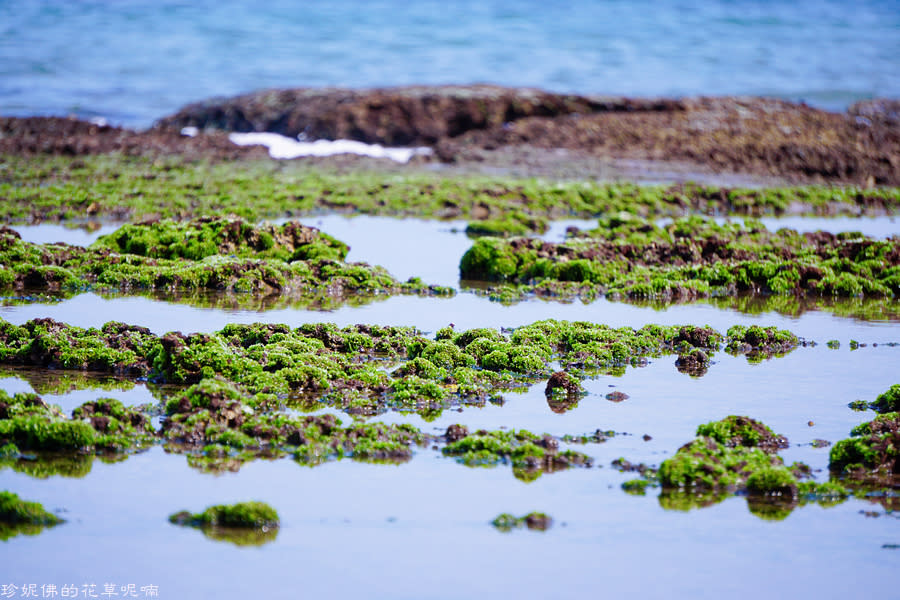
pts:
pixel 284 147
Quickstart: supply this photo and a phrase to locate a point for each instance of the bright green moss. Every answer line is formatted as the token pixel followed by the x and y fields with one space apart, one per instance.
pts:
pixel 637 487
pixel 37 433
pixel 526 452
pixel 689 258
pixel 225 255
pixel 734 431
pixel 723 456
pixel 18 516
pixel 773 481
pixel 64 188
pixel 255 515
pixel 889 401
pixel 13 510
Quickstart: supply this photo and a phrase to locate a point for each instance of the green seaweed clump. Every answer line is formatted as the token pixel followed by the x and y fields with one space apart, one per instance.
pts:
pixel 243 514
pixel 27 422
pixel 528 453
pixel 889 401
pixel 210 253
pixel 724 456
pixel 18 516
pixel 859 405
pixel 689 258
pixel 535 521
pixel 636 487
pixel 758 342
pixel 870 458
pixel 243 524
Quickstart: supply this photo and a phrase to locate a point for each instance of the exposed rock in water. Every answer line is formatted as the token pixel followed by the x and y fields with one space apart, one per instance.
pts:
pixel 400 116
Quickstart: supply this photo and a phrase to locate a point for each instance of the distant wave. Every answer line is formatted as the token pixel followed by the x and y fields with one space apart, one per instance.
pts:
pixel 284 147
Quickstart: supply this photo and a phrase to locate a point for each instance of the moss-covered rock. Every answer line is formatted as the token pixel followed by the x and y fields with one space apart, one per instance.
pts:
pixel 528 453
pixel 254 515
pixel 535 521
pixel 723 456
pixel 225 255
pixel 18 516
pixel 689 258
pixel 243 524
pixel 344 367
pixel 889 401
pixel 871 457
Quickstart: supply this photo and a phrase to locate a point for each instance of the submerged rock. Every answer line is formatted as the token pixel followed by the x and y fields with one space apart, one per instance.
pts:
pixel 535 521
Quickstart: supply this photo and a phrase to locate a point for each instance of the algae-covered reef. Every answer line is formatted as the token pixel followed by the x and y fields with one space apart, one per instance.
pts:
pixel 870 458
pixel 530 455
pixel 236 384
pixel 19 516
pixel 354 368
pixel 688 258
pixel 30 424
pixel 204 254
pixel 738 455
pixel 243 524
pixel 133 188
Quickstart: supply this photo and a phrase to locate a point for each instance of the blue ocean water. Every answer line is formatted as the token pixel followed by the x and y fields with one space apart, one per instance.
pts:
pixel 133 61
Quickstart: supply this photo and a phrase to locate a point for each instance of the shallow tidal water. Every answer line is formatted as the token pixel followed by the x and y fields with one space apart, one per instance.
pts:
pixel 422 529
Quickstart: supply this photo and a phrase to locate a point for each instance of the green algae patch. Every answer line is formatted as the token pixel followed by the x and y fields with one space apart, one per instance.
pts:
pixel 212 254
pixel 636 487
pixel 693 257
pixel 20 517
pixel 735 431
pixel 243 514
pixel 209 236
pixel 529 454
pixel 535 521
pixel 736 455
pixel 758 343
pixel 349 368
pixel 889 401
pixel 724 455
pixel 871 457
pixel 220 430
pixel 27 423
pixel 243 524
pixel 57 188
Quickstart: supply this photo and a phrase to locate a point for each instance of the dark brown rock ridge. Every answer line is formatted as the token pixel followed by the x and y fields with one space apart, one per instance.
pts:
pixel 480 127
pixel 73 137
pixel 468 123
pixel 400 116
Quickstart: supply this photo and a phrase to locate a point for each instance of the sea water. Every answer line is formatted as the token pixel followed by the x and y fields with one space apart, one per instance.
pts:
pixel 134 62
